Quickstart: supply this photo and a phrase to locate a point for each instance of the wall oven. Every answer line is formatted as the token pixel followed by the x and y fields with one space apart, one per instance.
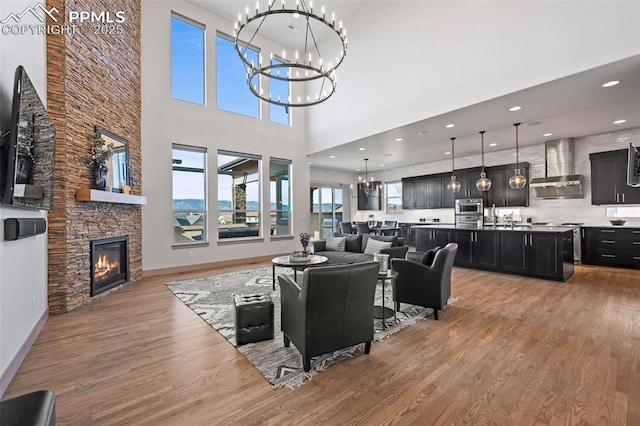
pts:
pixel 469 206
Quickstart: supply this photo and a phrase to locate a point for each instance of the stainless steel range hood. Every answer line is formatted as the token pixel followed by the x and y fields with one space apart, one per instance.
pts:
pixel 560 180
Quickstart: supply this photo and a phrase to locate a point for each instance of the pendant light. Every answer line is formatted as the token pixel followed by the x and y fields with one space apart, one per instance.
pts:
pixel 453 186
pixel 483 184
pixel 517 181
pixel 367 186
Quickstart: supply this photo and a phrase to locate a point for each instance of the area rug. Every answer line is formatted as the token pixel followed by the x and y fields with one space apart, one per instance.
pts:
pixel 212 299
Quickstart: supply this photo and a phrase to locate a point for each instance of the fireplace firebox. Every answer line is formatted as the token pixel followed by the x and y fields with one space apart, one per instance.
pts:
pixel 109 263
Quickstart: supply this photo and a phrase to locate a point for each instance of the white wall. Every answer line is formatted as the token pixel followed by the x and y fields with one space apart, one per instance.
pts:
pixel 23 263
pixel 166 121
pixel 411 60
pixel 570 210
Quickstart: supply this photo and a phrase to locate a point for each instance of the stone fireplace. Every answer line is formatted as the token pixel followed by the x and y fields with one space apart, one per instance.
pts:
pixel 109 263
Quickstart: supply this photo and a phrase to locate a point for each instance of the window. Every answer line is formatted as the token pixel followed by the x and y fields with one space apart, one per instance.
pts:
pixel 187 60
pixel 189 195
pixel 280 191
pixel 326 211
pixel 279 90
pixel 394 197
pixel 233 94
pixel 238 195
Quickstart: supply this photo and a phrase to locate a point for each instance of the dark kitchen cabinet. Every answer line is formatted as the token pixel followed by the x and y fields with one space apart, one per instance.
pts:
pixel 434 192
pixel 501 194
pixel 609 179
pixel 407 234
pixel 479 249
pixel 539 254
pixel 608 246
pixel 414 193
pixel 467 179
pixel 428 238
pixel 371 201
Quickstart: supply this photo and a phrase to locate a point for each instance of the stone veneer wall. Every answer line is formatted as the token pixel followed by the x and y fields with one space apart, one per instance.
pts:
pixel 92 80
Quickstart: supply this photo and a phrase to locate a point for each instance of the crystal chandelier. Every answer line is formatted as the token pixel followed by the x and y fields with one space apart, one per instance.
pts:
pixel 367 185
pixel 483 184
pixel 453 186
pixel 306 70
pixel 517 181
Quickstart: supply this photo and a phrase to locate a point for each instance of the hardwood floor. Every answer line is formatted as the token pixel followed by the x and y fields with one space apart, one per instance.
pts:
pixel 511 350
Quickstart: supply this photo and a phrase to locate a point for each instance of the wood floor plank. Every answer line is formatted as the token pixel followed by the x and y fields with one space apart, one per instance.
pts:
pixel 510 350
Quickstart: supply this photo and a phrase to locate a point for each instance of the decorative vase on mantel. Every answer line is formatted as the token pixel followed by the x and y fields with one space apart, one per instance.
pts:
pixel 100 176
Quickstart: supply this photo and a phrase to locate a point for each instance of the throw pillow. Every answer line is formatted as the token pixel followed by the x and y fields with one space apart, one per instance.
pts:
pixel 336 243
pixel 386 238
pixel 428 256
pixel 354 243
pixel 374 246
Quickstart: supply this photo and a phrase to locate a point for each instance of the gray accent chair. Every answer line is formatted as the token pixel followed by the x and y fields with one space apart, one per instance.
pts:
pixel 363 228
pixel 347 228
pixel 422 285
pixel 331 309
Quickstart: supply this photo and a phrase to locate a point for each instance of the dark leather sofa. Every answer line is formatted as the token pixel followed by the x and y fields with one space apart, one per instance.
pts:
pixel 355 247
pixel 331 309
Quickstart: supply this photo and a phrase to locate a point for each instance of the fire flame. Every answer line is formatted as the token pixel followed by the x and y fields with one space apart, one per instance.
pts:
pixel 103 267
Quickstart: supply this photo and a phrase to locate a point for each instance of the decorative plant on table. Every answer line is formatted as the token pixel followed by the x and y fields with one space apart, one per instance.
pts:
pixel 99 154
pixel 305 237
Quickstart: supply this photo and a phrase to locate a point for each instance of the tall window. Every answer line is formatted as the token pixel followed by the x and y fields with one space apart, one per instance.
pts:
pixel 394 197
pixel 231 78
pixel 280 192
pixel 187 60
pixel 279 90
pixel 326 211
pixel 189 195
pixel 238 195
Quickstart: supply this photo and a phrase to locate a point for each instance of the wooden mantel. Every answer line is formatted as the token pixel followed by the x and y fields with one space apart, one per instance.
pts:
pixel 109 197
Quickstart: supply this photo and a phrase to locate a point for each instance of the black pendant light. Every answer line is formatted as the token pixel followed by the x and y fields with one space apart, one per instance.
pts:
pixel 453 186
pixel 517 181
pixel 368 185
pixel 483 184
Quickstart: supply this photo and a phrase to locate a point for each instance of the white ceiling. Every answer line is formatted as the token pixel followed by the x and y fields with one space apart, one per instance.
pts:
pixel 573 106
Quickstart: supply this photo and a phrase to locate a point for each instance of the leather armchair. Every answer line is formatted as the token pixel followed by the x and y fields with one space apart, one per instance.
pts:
pixel 330 310
pixel 428 286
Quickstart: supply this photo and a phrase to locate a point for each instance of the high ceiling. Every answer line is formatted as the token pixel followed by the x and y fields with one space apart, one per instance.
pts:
pixel 573 106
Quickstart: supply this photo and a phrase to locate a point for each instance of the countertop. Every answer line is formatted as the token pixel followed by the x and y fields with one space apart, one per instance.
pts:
pixel 498 228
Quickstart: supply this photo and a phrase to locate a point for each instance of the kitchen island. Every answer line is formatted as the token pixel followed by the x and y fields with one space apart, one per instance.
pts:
pixel 536 252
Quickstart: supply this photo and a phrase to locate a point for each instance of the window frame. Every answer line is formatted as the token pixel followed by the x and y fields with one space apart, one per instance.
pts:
pixel 203 27
pixel 289 164
pixel 387 197
pixel 258 210
pixel 205 212
pixel 257 50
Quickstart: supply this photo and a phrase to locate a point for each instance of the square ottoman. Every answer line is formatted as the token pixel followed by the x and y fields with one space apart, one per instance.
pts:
pixel 253 317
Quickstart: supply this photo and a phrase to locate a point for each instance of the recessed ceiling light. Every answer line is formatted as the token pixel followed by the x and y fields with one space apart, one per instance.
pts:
pixel 547 134
pixel 361 149
pixel 333 156
pixel 447 153
pixel 515 108
pixel 310 163
pixel 398 139
pixel 611 83
pixel 448 126
pixel 357 170
pixel 493 144
pixel 619 121
pixel 381 165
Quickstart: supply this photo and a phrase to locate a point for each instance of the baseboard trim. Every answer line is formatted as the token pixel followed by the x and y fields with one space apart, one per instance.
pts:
pixel 208 265
pixel 16 362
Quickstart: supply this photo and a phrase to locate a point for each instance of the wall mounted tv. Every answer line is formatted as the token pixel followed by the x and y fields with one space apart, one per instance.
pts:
pixel 27 149
pixel 633 166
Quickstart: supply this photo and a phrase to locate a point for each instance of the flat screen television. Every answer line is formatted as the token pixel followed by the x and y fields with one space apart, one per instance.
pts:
pixel 633 166
pixel 28 149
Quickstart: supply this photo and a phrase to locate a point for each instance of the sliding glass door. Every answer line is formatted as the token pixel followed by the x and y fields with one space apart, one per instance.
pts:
pixel 326 211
